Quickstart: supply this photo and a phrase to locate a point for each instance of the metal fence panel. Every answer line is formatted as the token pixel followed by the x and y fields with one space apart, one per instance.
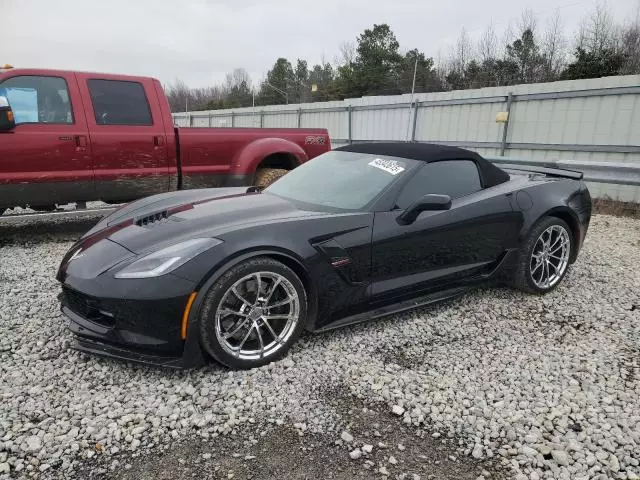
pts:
pixel 591 120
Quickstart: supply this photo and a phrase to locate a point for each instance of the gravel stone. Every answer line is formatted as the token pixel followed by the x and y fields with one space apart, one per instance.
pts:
pixel 346 436
pixel 397 410
pixel 495 372
pixel 561 457
pixel 355 454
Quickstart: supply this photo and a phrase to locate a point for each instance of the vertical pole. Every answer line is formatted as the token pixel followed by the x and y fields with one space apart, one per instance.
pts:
pixel 233 120
pixel 190 120
pixel 349 108
pixel 299 117
pixel 413 89
pixel 210 119
pixel 505 128
pixel 415 121
pixel 261 118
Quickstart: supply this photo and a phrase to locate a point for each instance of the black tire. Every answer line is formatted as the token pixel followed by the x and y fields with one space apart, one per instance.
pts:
pixel 216 294
pixel 522 278
pixel 266 176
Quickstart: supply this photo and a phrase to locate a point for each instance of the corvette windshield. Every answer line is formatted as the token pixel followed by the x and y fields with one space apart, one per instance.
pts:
pixel 345 180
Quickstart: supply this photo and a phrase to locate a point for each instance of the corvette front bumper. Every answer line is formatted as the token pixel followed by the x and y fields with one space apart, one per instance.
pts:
pixel 113 329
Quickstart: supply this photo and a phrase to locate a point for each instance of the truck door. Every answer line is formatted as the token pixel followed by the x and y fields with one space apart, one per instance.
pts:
pixel 128 140
pixel 46 159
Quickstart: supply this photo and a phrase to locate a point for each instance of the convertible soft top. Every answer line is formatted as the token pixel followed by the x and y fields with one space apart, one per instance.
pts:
pixel 431 152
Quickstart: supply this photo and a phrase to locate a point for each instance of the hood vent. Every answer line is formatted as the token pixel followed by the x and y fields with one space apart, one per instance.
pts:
pixel 151 219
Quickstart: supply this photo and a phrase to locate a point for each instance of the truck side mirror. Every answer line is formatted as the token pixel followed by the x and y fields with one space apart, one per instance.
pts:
pixel 7 120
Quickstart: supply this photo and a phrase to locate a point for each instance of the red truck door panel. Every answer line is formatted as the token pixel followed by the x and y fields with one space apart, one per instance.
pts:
pixel 127 134
pixel 46 159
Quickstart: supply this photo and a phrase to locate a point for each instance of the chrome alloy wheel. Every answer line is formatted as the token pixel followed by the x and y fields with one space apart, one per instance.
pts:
pixel 257 315
pixel 550 256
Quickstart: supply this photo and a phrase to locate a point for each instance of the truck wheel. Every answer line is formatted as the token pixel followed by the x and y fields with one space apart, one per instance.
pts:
pixel 266 176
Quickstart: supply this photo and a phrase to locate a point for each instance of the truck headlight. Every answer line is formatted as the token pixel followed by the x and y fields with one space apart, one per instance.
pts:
pixel 168 259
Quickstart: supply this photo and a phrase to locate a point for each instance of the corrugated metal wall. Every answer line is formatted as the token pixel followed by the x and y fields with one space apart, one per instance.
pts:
pixel 595 119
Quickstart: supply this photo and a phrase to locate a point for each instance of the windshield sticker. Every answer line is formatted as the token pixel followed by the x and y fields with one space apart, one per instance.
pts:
pixel 390 166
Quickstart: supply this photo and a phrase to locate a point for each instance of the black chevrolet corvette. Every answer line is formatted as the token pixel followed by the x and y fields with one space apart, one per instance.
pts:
pixel 360 232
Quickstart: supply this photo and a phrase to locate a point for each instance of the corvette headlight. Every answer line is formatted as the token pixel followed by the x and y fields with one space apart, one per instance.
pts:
pixel 168 259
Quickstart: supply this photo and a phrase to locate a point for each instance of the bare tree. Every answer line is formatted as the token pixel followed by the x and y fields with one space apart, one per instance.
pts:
pixel 600 31
pixel 527 21
pixel 554 47
pixel 630 47
pixel 347 54
pixel 463 53
pixel 178 95
pixel 236 78
pixel 488 46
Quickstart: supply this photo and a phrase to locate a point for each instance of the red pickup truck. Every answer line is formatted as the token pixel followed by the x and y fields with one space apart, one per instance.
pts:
pixel 74 137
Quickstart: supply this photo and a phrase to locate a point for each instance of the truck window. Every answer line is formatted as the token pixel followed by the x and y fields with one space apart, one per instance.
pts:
pixel 118 102
pixel 37 99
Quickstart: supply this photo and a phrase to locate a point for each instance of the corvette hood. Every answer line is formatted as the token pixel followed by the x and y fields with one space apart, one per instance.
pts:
pixel 152 223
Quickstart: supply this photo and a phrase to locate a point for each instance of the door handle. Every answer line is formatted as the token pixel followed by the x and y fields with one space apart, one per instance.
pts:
pixel 158 140
pixel 80 141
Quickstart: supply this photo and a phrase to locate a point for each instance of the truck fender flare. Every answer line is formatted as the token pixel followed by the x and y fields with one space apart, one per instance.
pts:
pixel 247 159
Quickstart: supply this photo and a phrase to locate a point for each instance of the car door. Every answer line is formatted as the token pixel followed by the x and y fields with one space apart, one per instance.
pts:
pixel 127 136
pixel 442 247
pixel 46 159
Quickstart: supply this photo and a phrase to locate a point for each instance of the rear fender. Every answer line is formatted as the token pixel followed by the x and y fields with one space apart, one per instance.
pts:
pixel 247 159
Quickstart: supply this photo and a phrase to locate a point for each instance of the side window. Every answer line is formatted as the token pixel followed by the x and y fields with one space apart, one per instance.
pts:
pixel 117 102
pixel 37 99
pixel 455 178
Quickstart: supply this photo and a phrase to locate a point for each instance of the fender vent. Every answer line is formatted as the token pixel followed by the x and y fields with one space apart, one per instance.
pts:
pixel 152 218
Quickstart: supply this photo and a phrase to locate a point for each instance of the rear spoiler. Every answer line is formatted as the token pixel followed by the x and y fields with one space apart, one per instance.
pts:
pixel 552 172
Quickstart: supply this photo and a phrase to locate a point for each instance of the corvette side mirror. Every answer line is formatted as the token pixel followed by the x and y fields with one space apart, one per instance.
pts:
pixel 428 202
pixel 7 121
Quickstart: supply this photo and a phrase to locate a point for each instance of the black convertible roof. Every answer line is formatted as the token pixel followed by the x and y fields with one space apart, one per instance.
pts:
pixel 432 152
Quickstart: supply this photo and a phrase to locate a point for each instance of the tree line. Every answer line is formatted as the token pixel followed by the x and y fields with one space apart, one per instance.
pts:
pixel 376 65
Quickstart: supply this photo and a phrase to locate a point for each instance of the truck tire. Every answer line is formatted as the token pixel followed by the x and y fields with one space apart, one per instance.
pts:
pixel 266 176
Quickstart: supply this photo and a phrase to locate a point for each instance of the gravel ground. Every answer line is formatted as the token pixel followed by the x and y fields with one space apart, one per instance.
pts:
pixel 494 384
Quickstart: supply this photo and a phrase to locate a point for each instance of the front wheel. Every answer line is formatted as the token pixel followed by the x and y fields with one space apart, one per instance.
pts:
pixel 253 314
pixel 544 257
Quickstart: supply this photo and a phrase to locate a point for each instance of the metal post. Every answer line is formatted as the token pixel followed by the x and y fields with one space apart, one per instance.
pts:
pixel 415 121
pixel 233 120
pixel 210 119
pixel 349 122
pixel 261 118
pixel 505 128
pixel 190 120
pixel 299 117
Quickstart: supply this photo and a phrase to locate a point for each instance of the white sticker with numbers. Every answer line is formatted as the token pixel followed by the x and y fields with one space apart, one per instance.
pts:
pixel 390 166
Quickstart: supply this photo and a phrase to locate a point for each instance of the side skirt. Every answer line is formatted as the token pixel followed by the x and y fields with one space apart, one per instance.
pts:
pixel 397 307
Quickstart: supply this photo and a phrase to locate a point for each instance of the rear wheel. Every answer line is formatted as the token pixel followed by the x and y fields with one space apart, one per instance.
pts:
pixel 253 314
pixel 544 258
pixel 266 176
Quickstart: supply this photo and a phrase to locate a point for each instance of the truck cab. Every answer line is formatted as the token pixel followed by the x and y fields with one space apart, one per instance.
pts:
pixel 77 137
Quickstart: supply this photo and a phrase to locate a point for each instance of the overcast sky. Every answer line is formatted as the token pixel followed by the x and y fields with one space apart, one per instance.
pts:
pixel 199 41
